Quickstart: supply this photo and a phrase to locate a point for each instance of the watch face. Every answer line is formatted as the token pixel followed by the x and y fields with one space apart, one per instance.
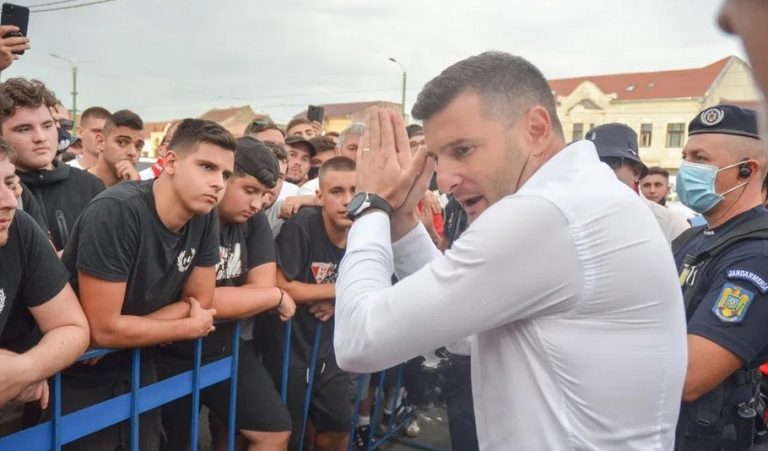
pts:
pixel 355 203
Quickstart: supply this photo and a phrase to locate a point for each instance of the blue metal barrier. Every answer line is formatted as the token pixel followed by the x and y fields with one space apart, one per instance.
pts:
pixel 63 429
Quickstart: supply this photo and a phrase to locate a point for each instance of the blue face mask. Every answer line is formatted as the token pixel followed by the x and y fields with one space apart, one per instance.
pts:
pixel 696 186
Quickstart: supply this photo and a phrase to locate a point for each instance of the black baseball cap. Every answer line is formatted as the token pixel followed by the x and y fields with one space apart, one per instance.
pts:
pixel 617 141
pixel 291 140
pixel 726 120
pixel 257 160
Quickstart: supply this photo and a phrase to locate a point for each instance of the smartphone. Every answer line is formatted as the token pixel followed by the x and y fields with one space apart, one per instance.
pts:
pixel 315 113
pixel 15 15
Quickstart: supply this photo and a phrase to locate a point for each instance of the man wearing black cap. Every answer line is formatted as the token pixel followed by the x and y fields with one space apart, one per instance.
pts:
pixel 300 151
pixel 724 279
pixel 616 146
pixel 245 286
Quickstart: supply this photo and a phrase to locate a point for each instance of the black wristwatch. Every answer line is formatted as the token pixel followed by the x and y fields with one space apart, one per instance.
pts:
pixel 364 201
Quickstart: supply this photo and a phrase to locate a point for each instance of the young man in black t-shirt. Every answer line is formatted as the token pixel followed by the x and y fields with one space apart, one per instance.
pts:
pixel 143 257
pixel 245 286
pixel 310 247
pixel 28 126
pixel 119 147
pixel 32 279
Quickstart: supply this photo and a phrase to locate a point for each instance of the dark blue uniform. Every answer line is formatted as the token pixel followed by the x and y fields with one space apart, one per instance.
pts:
pixel 728 305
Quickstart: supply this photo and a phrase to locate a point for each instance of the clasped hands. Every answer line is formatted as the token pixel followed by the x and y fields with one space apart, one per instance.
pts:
pixel 386 167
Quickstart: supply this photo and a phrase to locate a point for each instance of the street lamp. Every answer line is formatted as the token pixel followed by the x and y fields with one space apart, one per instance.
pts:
pixel 405 77
pixel 74 91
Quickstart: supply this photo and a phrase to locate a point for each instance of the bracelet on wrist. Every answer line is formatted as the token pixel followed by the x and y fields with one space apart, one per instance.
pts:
pixel 280 302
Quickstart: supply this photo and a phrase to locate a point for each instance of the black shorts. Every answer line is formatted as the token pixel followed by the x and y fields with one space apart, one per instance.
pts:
pixel 330 409
pixel 83 386
pixel 259 407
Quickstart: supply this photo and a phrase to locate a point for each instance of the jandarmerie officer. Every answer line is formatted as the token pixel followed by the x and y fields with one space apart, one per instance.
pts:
pixel 723 269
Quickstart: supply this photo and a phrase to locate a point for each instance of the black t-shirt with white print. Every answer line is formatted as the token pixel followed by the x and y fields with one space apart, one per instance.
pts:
pixel 305 254
pixel 242 247
pixel 31 274
pixel 120 238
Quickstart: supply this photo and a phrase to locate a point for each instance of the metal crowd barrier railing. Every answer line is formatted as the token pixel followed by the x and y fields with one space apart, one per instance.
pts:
pixel 63 429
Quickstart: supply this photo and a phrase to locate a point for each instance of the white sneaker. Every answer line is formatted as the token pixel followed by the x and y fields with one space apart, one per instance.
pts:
pixel 413 429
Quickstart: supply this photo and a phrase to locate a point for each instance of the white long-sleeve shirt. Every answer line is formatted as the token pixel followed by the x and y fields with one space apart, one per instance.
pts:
pixel 570 292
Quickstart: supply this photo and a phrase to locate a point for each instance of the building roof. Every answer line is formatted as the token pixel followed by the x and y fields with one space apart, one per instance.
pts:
pixel 345 109
pixel 666 84
pixel 234 119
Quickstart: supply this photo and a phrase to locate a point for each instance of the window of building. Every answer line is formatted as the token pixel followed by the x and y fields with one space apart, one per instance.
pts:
pixel 675 134
pixel 646 132
pixel 578 132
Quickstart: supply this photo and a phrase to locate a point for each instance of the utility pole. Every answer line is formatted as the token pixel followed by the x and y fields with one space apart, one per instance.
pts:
pixel 405 79
pixel 74 91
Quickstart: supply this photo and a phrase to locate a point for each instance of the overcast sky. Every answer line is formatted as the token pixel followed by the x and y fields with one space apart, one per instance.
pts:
pixel 172 58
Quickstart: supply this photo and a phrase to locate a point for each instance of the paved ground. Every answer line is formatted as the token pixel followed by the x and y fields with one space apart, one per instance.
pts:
pixel 433 424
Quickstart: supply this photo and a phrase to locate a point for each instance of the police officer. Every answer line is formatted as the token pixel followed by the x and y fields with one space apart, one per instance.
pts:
pixel 723 269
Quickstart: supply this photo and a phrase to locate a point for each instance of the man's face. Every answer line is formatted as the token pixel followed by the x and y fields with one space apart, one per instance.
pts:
pixel 298 163
pixel 417 142
pixel 336 190
pixel 304 130
pixel 478 158
pixel 351 143
pixel 199 178
pixel 628 174
pixel 8 202
pixel 749 19
pixel 321 158
pixel 244 197
pixel 121 143
pixel 32 134
pixel 90 131
pixel 713 149
pixel 271 135
pixel 655 187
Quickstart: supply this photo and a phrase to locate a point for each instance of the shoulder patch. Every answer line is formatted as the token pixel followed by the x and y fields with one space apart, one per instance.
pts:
pixel 732 303
pixel 749 276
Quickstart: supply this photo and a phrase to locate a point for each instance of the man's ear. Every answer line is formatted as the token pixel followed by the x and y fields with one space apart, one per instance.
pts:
pixel 170 161
pixel 100 142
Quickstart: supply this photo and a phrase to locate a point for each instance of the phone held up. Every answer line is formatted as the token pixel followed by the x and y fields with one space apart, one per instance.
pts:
pixel 15 15
pixel 315 113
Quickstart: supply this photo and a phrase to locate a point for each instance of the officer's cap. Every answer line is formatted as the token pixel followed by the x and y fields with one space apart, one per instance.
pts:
pixel 727 120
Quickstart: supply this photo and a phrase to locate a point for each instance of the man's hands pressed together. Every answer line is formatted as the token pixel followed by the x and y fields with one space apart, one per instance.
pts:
pixel 386 167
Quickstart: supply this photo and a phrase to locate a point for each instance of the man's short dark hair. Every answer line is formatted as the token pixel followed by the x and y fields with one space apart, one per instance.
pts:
pixel 341 164
pixel 508 85
pixel 22 93
pixel 95 112
pixel 656 170
pixel 124 118
pixel 297 121
pixel 414 130
pixel 332 133
pixel 192 132
pixel 323 143
pixel 278 150
pixel 260 124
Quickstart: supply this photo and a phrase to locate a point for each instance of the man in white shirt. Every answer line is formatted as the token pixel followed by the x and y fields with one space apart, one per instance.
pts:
pixel 574 344
pixel 616 146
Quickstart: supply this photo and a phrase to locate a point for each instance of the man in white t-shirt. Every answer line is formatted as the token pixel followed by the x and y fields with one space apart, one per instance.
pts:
pixel 575 343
